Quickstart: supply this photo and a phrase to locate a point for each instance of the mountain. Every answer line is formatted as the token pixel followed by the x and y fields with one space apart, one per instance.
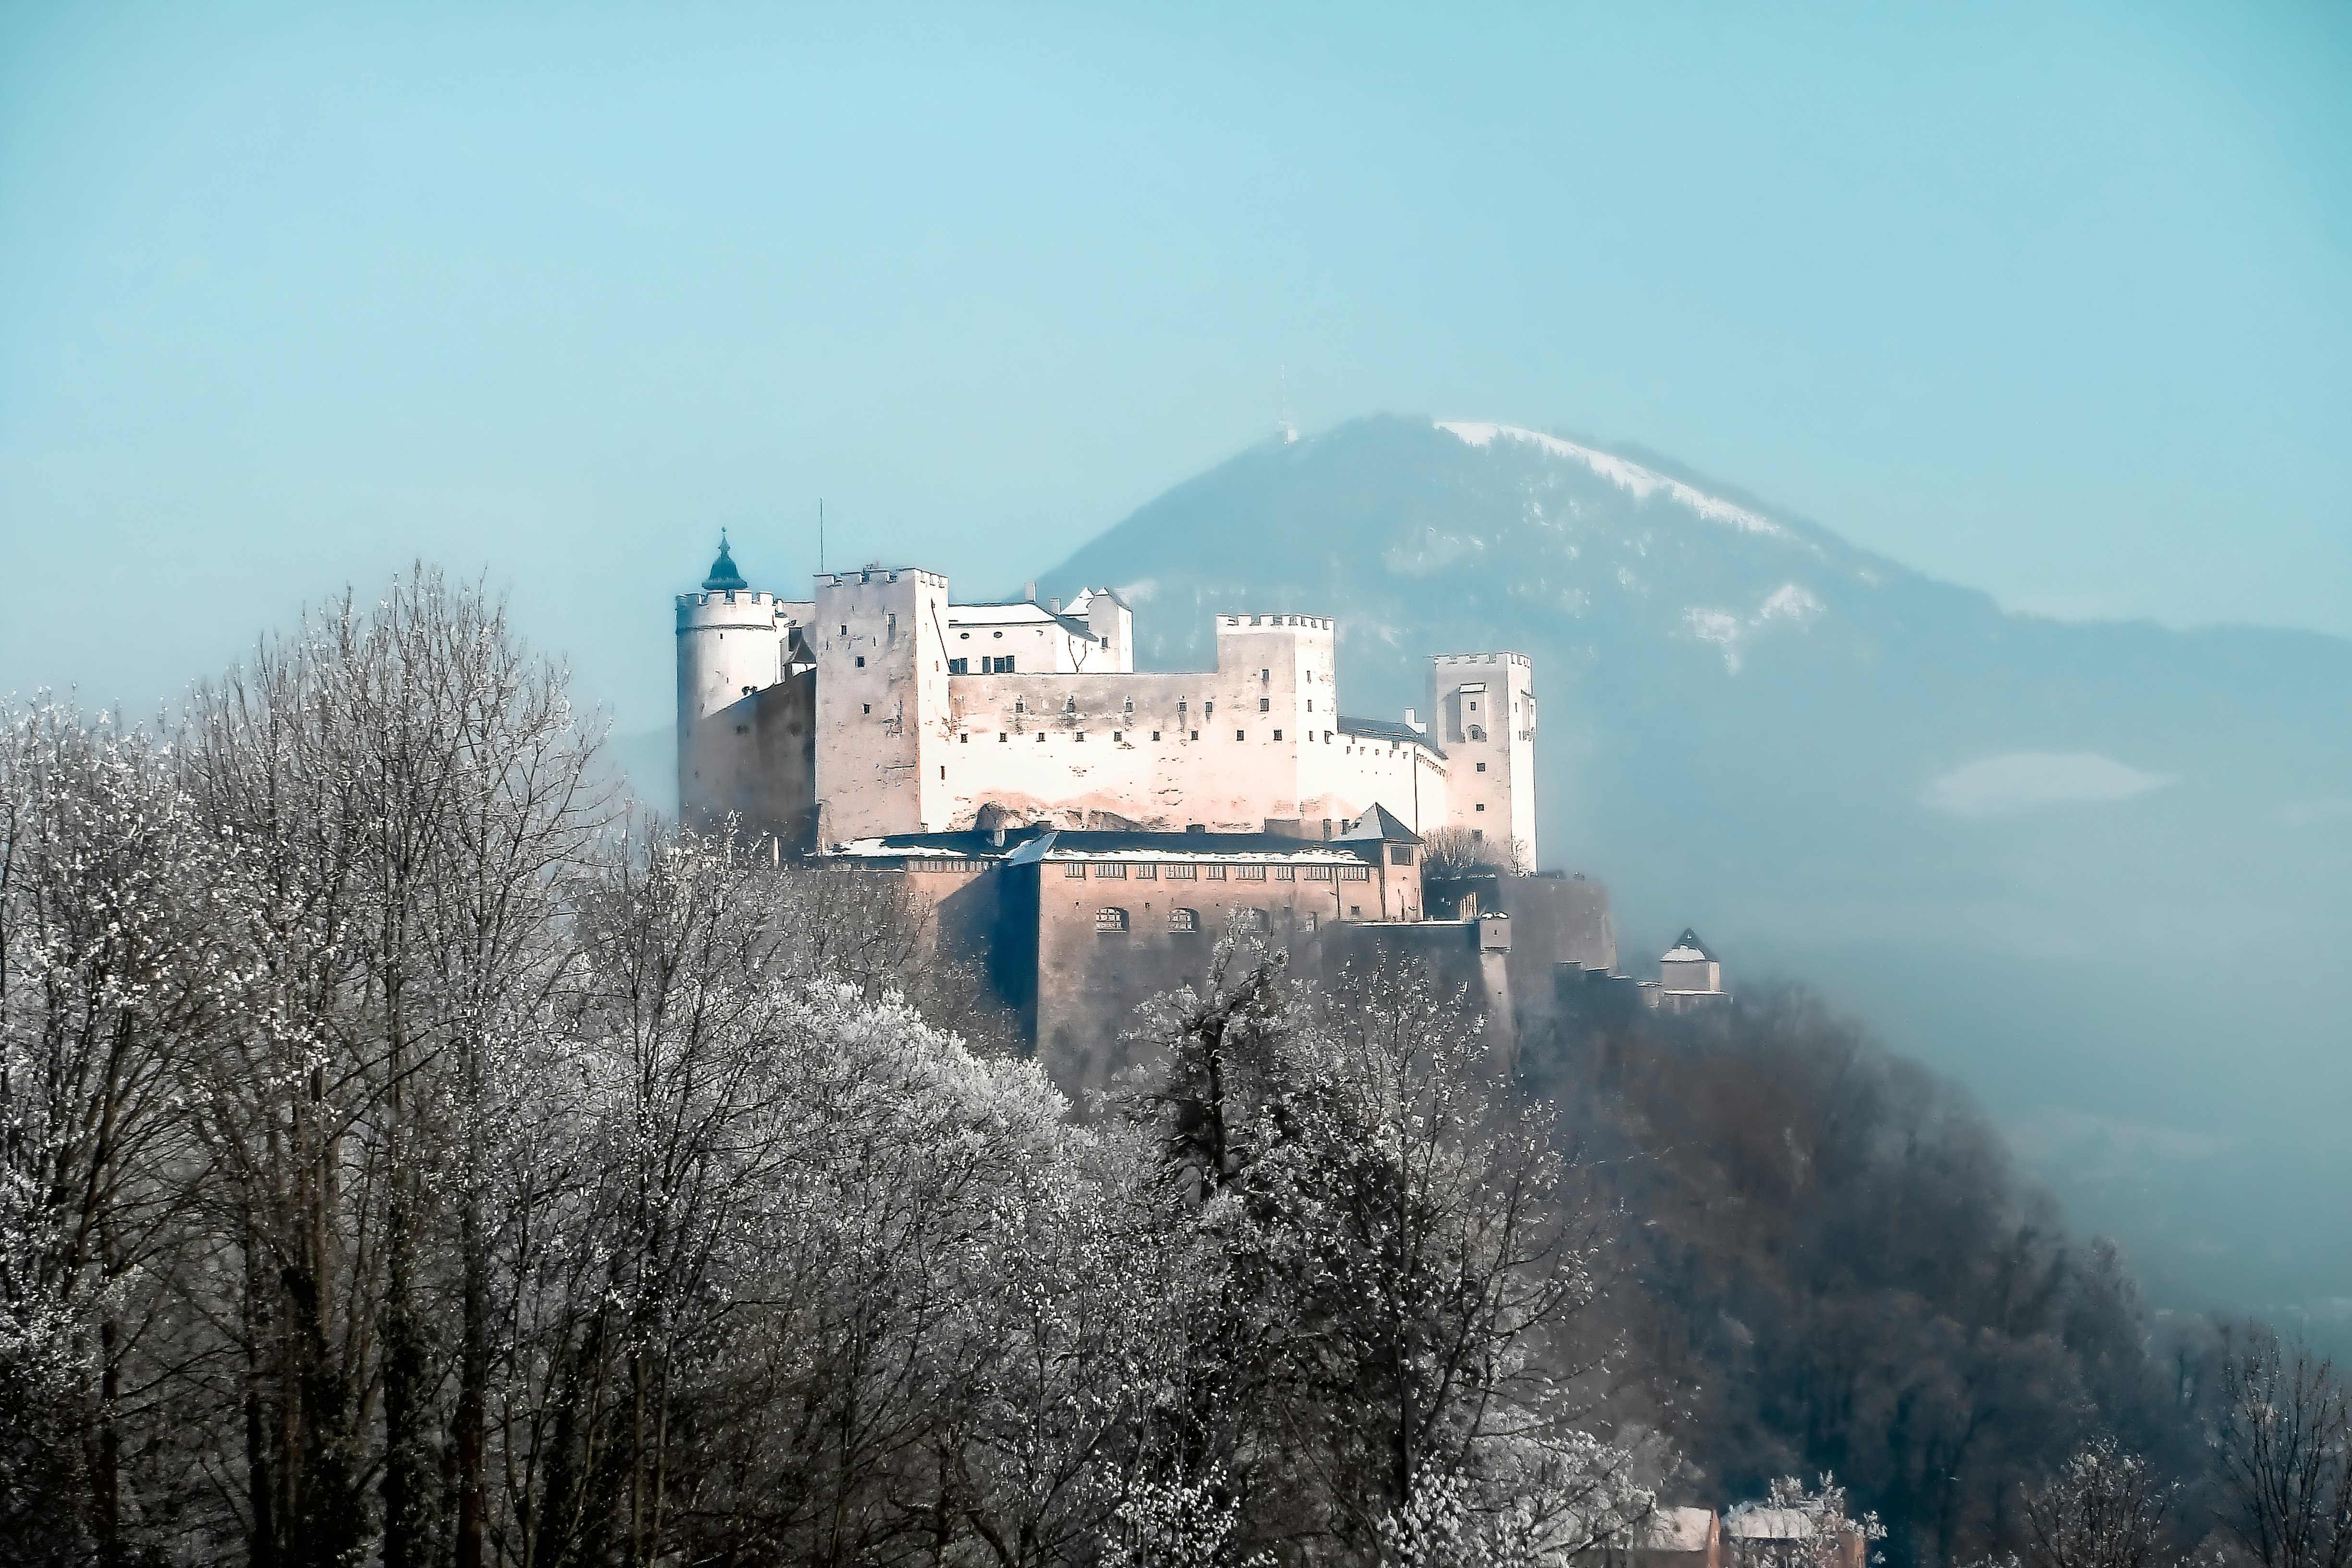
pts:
pixel 2096 872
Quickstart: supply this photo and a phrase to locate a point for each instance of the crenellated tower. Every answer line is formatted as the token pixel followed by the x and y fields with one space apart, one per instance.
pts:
pixel 744 735
pixel 1482 708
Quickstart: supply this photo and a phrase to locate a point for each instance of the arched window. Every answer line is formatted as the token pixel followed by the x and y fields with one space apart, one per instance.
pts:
pixel 1250 920
pixel 1110 919
pixel 1183 920
pixel 1477 733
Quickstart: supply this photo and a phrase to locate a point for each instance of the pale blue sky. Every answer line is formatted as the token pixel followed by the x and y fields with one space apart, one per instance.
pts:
pixel 2054 301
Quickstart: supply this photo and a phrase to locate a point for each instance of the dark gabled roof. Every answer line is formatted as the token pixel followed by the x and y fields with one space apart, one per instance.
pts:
pixel 1379 824
pixel 1690 938
pixel 1381 730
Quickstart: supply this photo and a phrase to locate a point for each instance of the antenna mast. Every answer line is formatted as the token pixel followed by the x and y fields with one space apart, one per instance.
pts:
pixel 820 536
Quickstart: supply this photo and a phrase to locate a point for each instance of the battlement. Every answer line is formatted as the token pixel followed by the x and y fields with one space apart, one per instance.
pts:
pixel 1246 620
pixel 1522 660
pixel 886 574
pixel 730 609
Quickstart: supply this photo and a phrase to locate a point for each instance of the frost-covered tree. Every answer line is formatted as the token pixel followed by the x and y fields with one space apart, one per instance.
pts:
pixel 1397 1256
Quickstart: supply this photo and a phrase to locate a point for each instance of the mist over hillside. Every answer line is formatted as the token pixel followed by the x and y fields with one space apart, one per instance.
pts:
pixel 2093 871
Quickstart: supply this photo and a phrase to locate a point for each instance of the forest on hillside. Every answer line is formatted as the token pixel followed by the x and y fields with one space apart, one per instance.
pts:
pixel 411 1153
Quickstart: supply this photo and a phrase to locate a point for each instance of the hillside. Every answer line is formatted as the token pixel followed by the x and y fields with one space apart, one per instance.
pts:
pixel 2093 870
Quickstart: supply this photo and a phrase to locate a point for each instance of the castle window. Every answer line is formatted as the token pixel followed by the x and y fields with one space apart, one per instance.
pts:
pixel 1117 736
pixel 1081 736
pixel 1180 873
pixel 1482 805
pixel 1208 710
pixel 1251 920
pixel 1476 733
pixel 1111 868
pixel 844 631
pixel 1478 834
pixel 861 661
pixel 1001 665
pixel 1019 706
pixel 1316 873
pixel 1474 705
pixel 1249 873
pixel 1266 704
pixel 1155 735
pixel 1241 734
pixel 1286 873
pixel 1265 675
pixel 1355 912
pixel 1277 734
pixel 894 625
pixel 1400 854
pixel 1481 767
pixel 1146 872
pixel 1074 869
pixel 1313 921
pixel 1196 734
pixel 1327 738
pixel 1216 873
pixel 1110 921
pixel 864 707
pixel 1183 920
pixel 1041 737
pixel 965 736
pixel 1002 737
pixel 959 666
pixel 1129 706
pixel 1355 873
pixel 1069 704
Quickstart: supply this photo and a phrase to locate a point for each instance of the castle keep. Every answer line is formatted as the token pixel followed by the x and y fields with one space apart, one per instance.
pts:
pixel 1085 831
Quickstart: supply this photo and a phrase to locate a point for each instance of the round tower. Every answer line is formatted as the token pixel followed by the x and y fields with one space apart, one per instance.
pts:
pixel 730 646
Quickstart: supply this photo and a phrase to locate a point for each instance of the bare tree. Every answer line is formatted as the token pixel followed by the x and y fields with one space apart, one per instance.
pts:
pixel 2285 1447
pixel 1468 852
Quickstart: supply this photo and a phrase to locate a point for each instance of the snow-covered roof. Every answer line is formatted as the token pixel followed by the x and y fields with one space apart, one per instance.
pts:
pixel 1678 1529
pixel 1383 730
pixel 1750 1523
pixel 1090 845
pixel 1687 948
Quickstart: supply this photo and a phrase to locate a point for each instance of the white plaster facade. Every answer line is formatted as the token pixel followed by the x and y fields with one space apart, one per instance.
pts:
pixel 926 712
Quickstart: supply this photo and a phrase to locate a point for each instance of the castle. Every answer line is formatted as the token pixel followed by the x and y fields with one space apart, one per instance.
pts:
pixel 880 706
pixel 1083 831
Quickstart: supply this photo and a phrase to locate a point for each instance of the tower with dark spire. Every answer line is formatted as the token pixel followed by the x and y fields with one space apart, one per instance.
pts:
pixel 723 577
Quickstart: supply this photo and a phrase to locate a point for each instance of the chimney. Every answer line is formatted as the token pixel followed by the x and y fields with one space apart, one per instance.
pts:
pixel 1030 593
pixel 1056 605
pixel 997 837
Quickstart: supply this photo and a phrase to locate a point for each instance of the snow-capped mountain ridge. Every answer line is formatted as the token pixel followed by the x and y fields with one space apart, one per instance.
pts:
pixel 1633 477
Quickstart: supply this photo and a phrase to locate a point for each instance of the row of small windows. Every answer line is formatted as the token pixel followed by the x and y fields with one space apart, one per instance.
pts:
pixel 989 665
pixel 1111 921
pixel 1150 871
